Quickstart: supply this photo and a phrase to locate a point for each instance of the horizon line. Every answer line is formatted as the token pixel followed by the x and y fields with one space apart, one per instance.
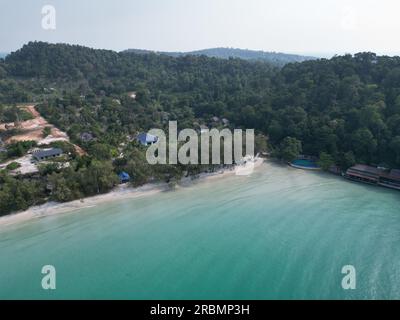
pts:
pixel 310 54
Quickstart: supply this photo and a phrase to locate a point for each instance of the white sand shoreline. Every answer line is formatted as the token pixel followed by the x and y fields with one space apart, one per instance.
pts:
pixel 119 193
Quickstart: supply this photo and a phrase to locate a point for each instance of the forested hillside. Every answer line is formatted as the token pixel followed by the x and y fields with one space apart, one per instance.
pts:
pixel 276 58
pixel 343 106
pixel 346 109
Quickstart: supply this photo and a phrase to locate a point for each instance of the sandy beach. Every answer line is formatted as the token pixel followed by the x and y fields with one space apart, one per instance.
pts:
pixel 118 193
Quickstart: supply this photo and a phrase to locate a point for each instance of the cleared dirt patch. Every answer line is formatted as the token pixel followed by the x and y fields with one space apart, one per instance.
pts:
pixel 27 166
pixel 33 130
pixel 33 111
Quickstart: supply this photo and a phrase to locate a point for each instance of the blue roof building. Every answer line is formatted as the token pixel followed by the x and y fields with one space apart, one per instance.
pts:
pixel 47 154
pixel 124 177
pixel 146 139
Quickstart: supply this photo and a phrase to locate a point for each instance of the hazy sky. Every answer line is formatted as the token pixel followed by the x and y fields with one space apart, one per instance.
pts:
pixel 294 26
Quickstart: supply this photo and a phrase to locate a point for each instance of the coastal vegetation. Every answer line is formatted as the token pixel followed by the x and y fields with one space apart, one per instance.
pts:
pixel 344 110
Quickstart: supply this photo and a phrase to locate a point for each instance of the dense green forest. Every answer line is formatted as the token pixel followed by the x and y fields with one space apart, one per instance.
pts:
pixel 343 110
pixel 275 58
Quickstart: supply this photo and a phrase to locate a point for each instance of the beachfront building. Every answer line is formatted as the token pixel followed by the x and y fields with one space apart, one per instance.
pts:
pixel 124 177
pixel 146 139
pixel 47 154
pixel 373 175
pixel 391 179
pixel 364 173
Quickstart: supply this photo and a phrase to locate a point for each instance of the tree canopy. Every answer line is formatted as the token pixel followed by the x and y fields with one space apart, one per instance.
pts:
pixel 344 110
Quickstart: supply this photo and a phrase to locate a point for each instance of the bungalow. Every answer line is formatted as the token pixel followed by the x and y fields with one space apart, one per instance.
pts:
pixel 124 177
pixel 146 139
pixel 47 154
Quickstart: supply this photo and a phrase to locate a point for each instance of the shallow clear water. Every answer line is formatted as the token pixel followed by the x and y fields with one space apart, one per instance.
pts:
pixel 280 233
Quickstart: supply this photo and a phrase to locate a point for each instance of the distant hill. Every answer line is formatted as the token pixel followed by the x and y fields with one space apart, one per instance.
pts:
pixel 275 58
pixel 3 54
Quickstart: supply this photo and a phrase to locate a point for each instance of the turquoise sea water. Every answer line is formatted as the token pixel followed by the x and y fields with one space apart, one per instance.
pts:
pixel 280 233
